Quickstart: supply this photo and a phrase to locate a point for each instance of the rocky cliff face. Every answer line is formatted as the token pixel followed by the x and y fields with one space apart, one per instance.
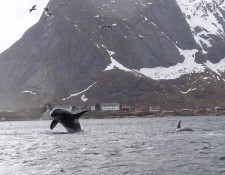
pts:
pixel 62 57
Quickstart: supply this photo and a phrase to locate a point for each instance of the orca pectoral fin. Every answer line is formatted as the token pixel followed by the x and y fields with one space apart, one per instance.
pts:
pixel 53 124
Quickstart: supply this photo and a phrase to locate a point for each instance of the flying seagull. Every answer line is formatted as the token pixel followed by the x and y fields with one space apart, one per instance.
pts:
pixel 46 9
pixel 33 8
pixel 48 12
pixel 107 26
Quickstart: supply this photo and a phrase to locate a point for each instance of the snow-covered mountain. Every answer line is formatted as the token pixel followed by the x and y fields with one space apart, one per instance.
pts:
pixel 205 18
pixel 206 21
pixel 154 52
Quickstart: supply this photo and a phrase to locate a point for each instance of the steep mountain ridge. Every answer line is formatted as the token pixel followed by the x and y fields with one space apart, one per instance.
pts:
pixel 63 57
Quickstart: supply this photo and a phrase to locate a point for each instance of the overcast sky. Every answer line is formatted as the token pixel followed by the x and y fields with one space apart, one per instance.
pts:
pixel 15 19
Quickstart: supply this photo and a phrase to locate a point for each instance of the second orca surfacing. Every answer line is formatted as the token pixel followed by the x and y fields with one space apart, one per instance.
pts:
pixel 68 119
pixel 182 129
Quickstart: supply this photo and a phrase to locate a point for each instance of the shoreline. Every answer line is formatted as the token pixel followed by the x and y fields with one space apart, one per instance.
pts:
pixel 17 116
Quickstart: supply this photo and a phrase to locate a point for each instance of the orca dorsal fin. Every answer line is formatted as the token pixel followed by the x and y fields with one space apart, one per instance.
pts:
pixel 53 124
pixel 179 125
pixel 78 115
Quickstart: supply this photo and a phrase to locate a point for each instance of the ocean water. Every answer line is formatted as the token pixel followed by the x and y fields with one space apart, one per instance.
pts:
pixel 132 146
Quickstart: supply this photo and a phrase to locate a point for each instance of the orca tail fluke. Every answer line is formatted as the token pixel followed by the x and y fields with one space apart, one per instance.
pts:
pixel 78 115
pixel 179 125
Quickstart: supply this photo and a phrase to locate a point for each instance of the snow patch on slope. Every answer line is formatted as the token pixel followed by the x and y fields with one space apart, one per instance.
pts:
pixel 27 91
pixel 114 63
pixel 218 67
pixel 189 90
pixel 82 97
pixel 188 66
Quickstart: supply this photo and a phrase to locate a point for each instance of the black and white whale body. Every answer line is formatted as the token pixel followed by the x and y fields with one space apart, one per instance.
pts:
pixel 182 129
pixel 67 119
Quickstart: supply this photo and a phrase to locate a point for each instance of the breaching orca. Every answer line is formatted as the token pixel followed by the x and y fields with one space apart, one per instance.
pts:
pixel 182 129
pixel 67 119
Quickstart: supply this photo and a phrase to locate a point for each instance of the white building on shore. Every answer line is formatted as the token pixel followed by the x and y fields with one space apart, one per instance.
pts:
pixel 110 106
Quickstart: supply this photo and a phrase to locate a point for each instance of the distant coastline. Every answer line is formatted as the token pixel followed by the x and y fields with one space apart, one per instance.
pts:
pixel 112 114
pixel 38 115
